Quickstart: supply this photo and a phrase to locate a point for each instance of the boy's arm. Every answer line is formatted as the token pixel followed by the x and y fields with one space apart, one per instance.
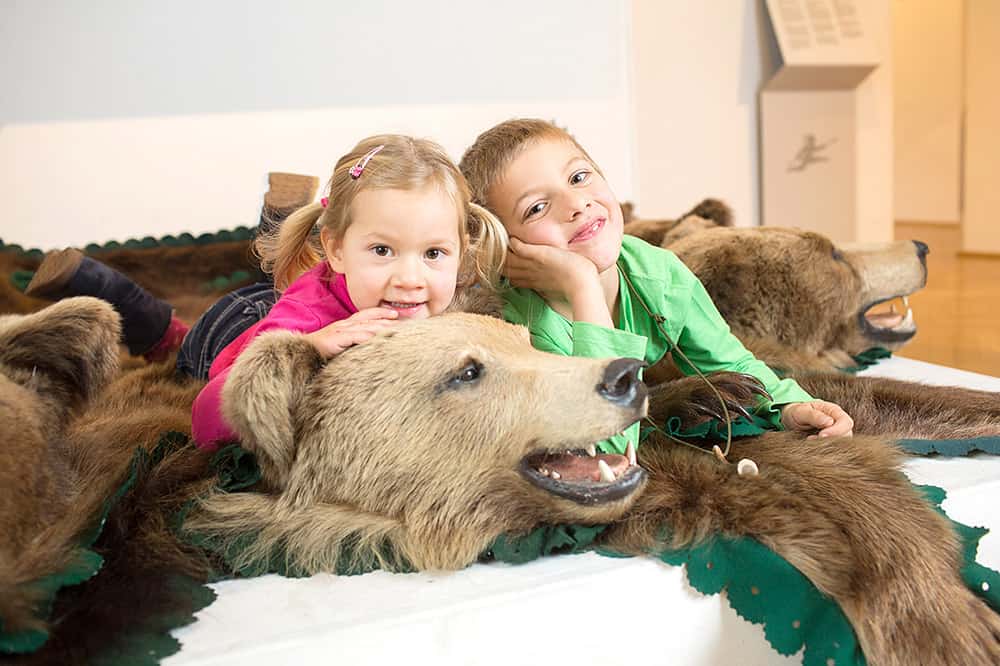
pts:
pixel 709 344
pixel 560 275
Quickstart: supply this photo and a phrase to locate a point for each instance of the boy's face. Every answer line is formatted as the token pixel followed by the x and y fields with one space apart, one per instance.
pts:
pixel 552 195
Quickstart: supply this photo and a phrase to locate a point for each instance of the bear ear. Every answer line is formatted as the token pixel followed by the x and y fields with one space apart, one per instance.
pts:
pixel 260 397
pixel 713 211
pixel 687 226
pixel 70 346
pixel 628 211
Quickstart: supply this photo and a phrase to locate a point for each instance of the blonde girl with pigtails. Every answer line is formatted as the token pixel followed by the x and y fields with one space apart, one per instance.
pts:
pixel 398 238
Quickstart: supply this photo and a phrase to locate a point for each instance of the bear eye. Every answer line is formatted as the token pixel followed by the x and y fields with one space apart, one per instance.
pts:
pixel 837 255
pixel 470 373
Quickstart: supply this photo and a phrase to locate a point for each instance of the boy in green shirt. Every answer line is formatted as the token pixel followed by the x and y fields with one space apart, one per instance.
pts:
pixel 579 284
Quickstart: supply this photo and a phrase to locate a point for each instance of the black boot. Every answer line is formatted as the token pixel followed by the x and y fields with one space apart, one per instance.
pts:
pixel 65 273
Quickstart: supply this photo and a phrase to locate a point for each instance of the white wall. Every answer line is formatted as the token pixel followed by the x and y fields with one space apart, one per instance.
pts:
pixel 698 67
pixel 980 229
pixel 873 109
pixel 927 48
pixel 121 119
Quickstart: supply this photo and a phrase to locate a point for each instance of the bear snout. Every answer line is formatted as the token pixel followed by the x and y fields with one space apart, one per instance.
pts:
pixel 621 385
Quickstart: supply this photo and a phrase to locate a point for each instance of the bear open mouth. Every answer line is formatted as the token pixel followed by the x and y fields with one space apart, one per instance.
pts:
pixel 882 321
pixel 584 476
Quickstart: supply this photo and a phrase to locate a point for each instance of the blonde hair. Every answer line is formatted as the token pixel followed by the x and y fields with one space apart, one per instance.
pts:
pixel 403 163
pixel 486 160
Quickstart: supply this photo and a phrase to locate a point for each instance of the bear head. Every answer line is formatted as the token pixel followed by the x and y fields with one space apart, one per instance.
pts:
pixel 439 436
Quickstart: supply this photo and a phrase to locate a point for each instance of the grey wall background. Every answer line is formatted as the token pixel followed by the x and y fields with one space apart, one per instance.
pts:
pixel 149 117
pixel 78 60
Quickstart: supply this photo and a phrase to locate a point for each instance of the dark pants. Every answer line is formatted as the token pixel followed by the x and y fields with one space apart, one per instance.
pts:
pixel 221 324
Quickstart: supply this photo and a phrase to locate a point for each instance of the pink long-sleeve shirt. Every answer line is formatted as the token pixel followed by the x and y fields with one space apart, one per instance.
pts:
pixel 317 298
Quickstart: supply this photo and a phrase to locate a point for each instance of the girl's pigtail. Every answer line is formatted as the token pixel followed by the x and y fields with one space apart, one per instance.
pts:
pixel 488 244
pixel 294 249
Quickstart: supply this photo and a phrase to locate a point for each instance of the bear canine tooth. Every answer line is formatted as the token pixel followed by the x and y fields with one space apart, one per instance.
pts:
pixel 907 321
pixel 630 453
pixel 606 474
pixel 591 450
pixel 746 467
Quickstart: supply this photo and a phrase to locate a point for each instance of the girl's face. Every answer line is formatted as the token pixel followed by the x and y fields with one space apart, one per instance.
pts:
pixel 552 195
pixel 400 251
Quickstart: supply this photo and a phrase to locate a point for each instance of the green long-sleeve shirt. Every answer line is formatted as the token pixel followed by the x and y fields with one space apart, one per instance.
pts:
pixel 669 289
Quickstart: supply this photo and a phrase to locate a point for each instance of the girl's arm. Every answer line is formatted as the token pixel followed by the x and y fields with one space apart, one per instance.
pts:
pixel 208 427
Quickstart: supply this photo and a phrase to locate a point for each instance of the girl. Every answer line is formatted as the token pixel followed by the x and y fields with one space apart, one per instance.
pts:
pixel 582 287
pixel 398 238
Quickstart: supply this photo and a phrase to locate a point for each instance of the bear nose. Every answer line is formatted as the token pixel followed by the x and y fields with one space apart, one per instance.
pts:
pixel 922 249
pixel 621 384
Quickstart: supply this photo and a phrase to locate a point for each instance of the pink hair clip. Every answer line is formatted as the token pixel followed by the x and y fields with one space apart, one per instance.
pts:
pixel 323 202
pixel 359 168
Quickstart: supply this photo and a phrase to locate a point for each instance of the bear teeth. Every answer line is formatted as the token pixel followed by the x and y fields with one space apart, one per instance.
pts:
pixel 606 474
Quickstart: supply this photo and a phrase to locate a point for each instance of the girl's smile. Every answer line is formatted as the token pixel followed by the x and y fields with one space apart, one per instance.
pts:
pixel 401 251
pixel 406 310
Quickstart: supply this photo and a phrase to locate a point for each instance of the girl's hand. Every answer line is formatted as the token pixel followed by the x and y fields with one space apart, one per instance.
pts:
pixel 362 325
pixel 830 419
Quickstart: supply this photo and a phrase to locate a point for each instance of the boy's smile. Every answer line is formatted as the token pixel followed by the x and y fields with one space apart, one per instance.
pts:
pixel 588 230
pixel 551 194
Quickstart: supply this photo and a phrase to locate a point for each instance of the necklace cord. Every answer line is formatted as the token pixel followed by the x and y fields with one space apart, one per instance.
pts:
pixel 659 319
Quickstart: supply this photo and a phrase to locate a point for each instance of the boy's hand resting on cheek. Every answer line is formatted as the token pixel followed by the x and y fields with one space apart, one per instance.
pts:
pixel 830 419
pixel 547 269
pixel 559 274
pixel 360 326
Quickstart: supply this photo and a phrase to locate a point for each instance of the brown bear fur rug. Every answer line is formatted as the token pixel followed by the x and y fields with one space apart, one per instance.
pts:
pixel 839 511
pixel 426 466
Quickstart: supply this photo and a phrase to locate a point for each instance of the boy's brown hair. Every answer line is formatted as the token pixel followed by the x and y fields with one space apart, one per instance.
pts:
pixel 486 160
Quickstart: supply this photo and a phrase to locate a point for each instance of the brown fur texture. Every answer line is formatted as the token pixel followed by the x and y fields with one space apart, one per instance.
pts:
pixel 50 365
pixel 179 275
pixel 796 301
pixel 904 410
pixel 794 298
pixel 369 425
pixel 69 429
pixel 394 463
pixel 377 450
pixel 709 213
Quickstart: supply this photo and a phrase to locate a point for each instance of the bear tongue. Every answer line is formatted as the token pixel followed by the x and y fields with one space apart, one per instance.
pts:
pixel 885 319
pixel 584 468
